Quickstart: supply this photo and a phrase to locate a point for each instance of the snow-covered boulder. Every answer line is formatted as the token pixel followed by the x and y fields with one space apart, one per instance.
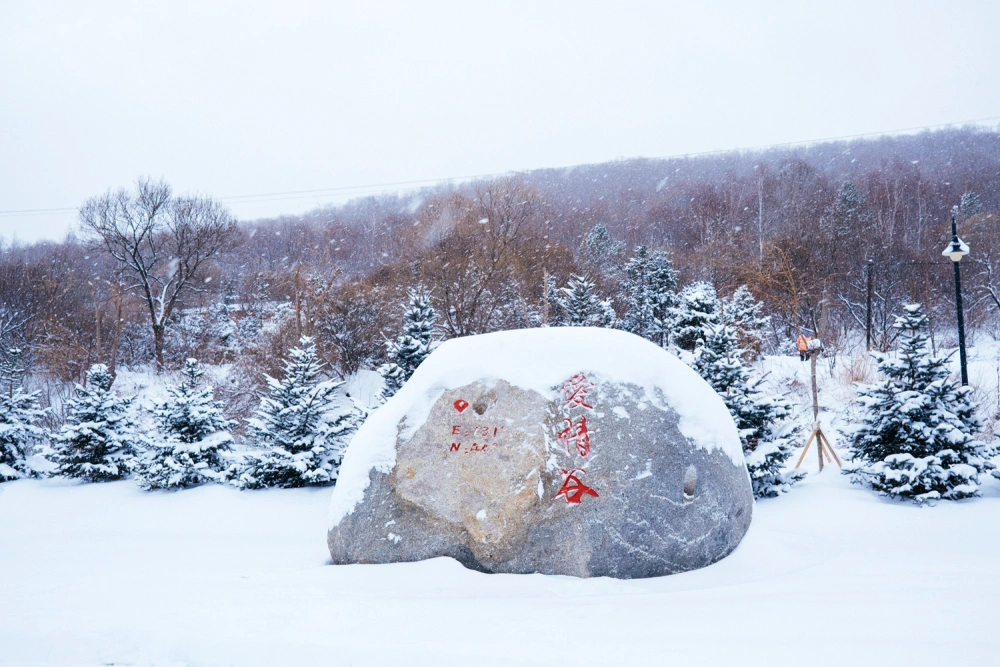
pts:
pixel 578 451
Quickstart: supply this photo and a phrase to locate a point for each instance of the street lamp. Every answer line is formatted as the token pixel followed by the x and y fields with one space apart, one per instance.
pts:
pixel 955 251
pixel 868 306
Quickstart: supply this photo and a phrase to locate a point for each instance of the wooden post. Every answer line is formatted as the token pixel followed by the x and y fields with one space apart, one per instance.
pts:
pixel 823 449
pixel 823 446
pixel 829 450
pixel 819 446
pixel 806 450
pixel 812 364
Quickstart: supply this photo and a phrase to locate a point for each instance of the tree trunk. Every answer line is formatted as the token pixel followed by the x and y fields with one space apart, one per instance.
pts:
pixel 97 324
pixel 113 358
pixel 158 346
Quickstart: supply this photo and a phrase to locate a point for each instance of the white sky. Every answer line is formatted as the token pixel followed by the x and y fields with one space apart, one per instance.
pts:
pixel 244 98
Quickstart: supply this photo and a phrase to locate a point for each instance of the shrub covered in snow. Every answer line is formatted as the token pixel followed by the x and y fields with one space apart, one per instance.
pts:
pixel 917 439
pixel 98 442
pixel 20 414
pixel 195 437
pixel 299 435
pixel 765 432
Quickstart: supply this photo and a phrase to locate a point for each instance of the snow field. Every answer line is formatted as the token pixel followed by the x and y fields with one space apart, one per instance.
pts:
pixel 828 574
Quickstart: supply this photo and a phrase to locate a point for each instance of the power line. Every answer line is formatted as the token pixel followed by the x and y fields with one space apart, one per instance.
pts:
pixel 376 188
pixel 33 211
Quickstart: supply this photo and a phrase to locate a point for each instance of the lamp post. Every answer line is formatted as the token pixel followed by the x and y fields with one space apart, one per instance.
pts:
pixel 868 306
pixel 955 251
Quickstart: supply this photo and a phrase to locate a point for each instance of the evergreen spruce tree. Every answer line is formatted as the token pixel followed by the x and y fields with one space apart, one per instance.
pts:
pixel 393 377
pixel 696 313
pixel 582 305
pixel 552 312
pixel 223 325
pixel 195 437
pixel 19 417
pixel 412 347
pixel 917 439
pixel 745 316
pixel 598 252
pixel 765 431
pixel 840 224
pixel 98 442
pixel 970 205
pixel 300 437
pixel 649 287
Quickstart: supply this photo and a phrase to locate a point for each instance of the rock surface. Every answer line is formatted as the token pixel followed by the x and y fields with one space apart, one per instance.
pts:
pixel 584 452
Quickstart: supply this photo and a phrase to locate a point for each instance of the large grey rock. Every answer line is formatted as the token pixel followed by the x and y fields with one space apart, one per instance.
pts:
pixel 626 477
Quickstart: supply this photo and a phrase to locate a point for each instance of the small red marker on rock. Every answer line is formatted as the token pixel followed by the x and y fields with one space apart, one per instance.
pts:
pixel 461 405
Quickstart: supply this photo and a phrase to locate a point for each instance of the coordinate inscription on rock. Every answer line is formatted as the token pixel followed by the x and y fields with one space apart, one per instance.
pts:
pixel 590 477
pixel 481 436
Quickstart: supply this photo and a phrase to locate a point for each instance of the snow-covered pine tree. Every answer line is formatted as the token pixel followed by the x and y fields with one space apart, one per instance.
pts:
pixel 98 442
pixel 745 315
pixel 552 313
pixel 598 252
pixel 195 437
pixel 300 437
pixel 841 221
pixel 19 417
pixel 223 326
pixel 411 348
pixel 649 287
pixel 917 439
pixel 393 378
pixel 765 431
pixel 970 205
pixel 583 307
pixel 697 311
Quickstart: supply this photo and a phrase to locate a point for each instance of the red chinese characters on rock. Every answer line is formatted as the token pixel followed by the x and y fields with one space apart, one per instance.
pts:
pixel 575 392
pixel 576 434
pixel 575 438
pixel 573 490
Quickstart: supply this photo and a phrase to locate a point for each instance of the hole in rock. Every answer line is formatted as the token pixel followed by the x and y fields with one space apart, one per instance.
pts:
pixel 479 407
pixel 690 482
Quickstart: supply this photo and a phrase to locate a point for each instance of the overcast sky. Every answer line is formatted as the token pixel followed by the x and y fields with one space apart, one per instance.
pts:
pixel 246 98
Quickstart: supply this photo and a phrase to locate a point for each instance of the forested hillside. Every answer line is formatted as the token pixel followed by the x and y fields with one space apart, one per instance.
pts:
pixel 799 226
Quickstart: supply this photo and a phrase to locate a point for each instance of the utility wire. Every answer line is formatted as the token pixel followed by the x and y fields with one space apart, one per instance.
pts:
pixel 377 188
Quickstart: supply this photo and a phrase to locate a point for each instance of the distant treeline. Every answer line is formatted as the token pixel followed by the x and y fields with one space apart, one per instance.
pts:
pixel 799 226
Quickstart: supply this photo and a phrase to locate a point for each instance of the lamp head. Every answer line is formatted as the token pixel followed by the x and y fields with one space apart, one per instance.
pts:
pixel 956 249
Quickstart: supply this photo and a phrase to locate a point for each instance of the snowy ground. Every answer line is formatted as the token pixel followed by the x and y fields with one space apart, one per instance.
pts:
pixel 828 574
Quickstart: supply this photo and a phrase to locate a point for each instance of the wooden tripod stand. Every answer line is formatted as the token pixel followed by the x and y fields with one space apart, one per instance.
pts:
pixel 823 447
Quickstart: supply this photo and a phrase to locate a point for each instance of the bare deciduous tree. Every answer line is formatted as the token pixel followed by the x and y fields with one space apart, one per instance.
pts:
pixel 160 242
